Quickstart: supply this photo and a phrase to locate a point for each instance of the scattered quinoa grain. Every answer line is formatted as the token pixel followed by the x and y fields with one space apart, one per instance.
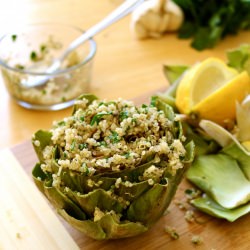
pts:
pixel 171 231
pixel 196 240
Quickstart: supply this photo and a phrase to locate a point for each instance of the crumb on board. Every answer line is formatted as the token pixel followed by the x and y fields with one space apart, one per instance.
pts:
pixel 171 231
pixel 18 235
pixel 197 239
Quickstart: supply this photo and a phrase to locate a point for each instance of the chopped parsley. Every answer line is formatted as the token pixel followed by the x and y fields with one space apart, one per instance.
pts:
pixel 33 56
pixel 97 118
pixel 123 115
pixel 14 37
pixel 114 137
pixel 208 22
pixel 73 144
pixel 82 146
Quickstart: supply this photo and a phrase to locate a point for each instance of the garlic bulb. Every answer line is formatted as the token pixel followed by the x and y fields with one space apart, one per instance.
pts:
pixel 153 18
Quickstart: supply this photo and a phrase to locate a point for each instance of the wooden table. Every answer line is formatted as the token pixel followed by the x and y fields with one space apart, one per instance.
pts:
pixel 123 67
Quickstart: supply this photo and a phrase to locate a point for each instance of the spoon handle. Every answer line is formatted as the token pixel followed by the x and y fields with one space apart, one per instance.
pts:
pixel 114 16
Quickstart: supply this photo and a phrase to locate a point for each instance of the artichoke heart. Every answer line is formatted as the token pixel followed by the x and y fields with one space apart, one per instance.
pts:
pixel 111 168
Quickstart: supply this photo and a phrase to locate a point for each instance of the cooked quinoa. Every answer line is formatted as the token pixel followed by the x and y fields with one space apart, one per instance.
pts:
pixel 112 136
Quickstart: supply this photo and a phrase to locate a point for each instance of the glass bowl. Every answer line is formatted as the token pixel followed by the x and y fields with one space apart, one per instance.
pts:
pixel 27 53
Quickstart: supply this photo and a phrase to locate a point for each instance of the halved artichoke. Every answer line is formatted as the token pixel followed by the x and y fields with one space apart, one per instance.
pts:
pixel 115 200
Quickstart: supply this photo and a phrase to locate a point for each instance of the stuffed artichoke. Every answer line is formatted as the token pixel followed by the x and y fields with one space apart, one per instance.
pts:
pixel 111 168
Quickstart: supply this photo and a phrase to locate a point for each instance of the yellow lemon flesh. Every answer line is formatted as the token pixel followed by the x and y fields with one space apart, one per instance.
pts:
pixel 210 89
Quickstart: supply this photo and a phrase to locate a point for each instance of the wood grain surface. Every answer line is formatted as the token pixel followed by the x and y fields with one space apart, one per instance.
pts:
pixel 215 233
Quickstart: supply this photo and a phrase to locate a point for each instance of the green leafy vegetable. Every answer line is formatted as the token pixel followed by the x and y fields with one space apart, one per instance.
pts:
pixel 209 206
pixel 208 22
pixel 239 58
pixel 220 177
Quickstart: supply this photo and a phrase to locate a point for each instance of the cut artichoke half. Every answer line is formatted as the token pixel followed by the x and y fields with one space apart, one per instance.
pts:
pixel 108 205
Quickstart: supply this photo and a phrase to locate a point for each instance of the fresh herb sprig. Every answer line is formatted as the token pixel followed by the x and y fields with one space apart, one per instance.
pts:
pixel 207 22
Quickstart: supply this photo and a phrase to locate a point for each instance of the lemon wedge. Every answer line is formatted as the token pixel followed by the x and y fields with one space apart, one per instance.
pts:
pixel 211 89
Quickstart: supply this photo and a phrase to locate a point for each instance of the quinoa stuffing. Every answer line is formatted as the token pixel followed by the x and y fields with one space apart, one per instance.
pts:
pixel 112 136
pixel 112 168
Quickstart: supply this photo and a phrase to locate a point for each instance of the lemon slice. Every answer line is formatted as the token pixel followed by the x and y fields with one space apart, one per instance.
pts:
pixel 211 90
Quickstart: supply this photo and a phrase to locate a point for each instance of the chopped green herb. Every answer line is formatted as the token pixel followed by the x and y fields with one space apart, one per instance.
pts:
pixel 33 56
pixel 127 155
pixel 103 143
pixel 73 144
pixel 19 66
pixel 44 92
pixel 114 137
pixel 153 101
pixel 96 119
pixel 61 123
pixel 85 168
pixel 64 99
pixel 43 48
pixel 208 22
pixel 81 118
pixel 123 115
pixel 82 146
pixel 14 37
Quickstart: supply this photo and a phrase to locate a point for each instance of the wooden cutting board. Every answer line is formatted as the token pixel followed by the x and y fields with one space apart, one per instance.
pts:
pixel 49 231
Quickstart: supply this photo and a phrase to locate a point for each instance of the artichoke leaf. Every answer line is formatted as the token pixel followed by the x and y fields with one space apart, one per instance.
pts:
pixel 133 191
pixel 202 145
pixel 133 174
pixel 217 132
pixel 174 72
pixel 39 177
pixel 243 119
pixel 88 227
pixel 239 58
pixel 105 228
pixel 243 158
pixel 89 97
pixel 151 205
pixel 56 197
pixel 83 183
pixel 167 109
pixel 220 176
pixel 44 138
pixel 209 206
pixel 97 198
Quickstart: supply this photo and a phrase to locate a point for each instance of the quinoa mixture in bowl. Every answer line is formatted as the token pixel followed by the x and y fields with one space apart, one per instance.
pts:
pixel 112 168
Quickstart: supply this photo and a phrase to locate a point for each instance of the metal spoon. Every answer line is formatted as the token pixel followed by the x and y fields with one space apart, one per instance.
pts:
pixel 114 16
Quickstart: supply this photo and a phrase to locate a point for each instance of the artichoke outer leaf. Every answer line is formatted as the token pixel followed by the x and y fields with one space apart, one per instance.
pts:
pixel 44 137
pixel 61 201
pixel 88 227
pixel 89 97
pixel 120 229
pixel 221 178
pixel 105 228
pixel 97 198
pixel 79 181
pixel 132 192
pixel 174 72
pixel 151 205
pixel 190 149
pixel 56 197
pixel 242 157
pixel 131 175
pixel 39 177
pixel 209 206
